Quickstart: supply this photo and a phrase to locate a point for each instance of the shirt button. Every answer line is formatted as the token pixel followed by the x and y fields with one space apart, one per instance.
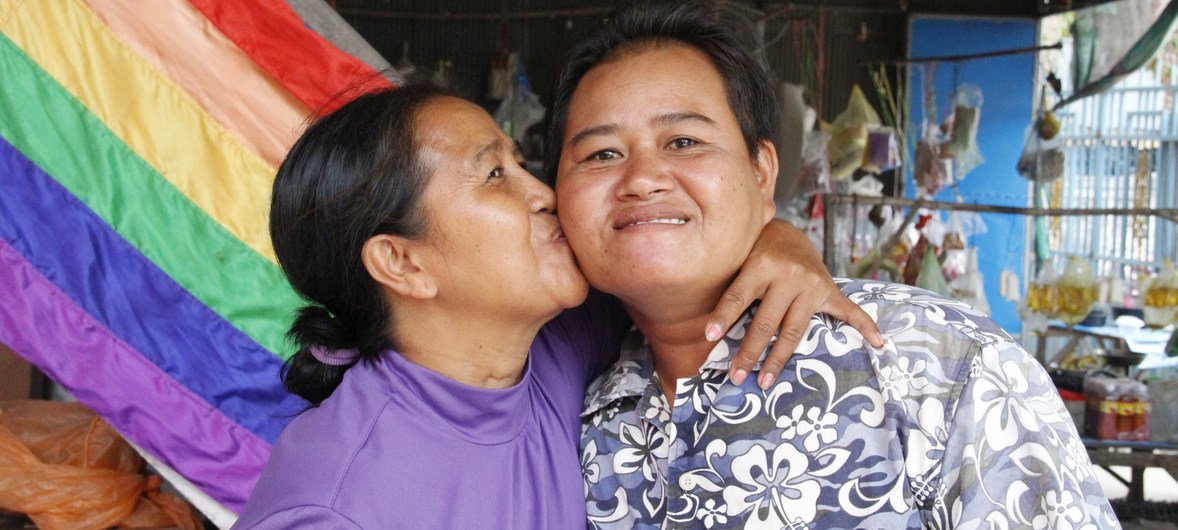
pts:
pixel 686 482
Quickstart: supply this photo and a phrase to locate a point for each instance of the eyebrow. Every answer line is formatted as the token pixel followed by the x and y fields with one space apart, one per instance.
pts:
pixel 599 130
pixel 486 150
pixel 679 117
pixel 669 118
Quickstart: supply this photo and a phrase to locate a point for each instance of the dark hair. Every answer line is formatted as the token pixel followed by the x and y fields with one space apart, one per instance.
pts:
pixel 353 174
pixel 642 25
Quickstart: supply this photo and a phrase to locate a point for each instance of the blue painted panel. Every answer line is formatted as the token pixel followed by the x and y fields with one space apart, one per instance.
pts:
pixel 1007 87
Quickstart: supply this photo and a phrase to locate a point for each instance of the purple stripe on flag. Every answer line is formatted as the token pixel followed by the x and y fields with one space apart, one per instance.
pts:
pixel 141 304
pixel 45 326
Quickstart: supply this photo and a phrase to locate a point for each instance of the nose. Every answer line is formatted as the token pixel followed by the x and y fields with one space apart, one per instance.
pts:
pixel 540 198
pixel 644 175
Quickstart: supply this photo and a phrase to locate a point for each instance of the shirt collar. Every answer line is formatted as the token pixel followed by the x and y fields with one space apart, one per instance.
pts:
pixel 633 374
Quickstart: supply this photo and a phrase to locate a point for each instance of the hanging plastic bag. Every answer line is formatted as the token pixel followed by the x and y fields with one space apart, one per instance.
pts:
pixel 521 108
pixel 814 172
pixel 849 135
pixel 931 171
pixel 930 277
pixel 969 287
pixel 882 151
pixel 963 143
pixel 65 468
pixel 1042 160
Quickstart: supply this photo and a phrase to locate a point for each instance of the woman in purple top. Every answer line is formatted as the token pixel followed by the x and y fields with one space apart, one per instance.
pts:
pixel 444 397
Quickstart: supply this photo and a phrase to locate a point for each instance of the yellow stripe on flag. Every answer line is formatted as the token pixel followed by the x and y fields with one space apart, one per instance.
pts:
pixel 159 121
pixel 180 42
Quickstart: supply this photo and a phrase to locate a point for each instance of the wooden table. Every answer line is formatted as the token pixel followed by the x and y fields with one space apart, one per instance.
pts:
pixel 1146 346
pixel 1137 456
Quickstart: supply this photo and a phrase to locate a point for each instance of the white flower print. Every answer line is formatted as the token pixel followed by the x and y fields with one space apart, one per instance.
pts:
pixel 711 514
pixel 822 430
pixel 1075 458
pixel 880 291
pixel 778 481
pixel 590 470
pixel 897 381
pixel 656 408
pixel 1001 407
pixel 817 426
pixel 642 448
pixel 791 425
pixel 1059 512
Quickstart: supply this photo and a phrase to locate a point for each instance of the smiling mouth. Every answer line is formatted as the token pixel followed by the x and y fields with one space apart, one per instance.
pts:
pixel 658 222
pixel 660 214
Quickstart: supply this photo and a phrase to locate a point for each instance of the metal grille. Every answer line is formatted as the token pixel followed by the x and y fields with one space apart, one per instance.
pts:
pixel 1121 151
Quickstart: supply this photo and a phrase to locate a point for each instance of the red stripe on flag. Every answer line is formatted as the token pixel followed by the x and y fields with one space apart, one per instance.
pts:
pixel 308 65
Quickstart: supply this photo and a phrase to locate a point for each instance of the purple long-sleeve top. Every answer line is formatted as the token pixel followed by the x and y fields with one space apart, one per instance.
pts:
pixel 400 446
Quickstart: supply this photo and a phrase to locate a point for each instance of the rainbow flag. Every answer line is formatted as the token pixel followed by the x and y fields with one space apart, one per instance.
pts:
pixel 138 143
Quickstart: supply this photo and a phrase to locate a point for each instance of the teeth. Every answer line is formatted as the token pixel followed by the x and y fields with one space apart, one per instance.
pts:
pixel 661 222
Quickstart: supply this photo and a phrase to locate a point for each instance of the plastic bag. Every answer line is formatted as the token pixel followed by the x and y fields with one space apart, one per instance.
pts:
pixel 849 135
pixel 1042 160
pixel 963 144
pixel 969 286
pixel 814 172
pixel 64 467
pixel 932 172
pixel 521 108
pixel 883 152
pixel 930 277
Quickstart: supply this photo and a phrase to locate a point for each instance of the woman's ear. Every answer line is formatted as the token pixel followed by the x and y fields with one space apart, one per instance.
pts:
pixel 399 265
pixel 765 168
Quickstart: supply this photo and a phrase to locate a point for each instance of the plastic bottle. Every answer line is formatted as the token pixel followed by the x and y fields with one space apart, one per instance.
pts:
pixel 1161 297
pixel 1077 291
pixel 1042 296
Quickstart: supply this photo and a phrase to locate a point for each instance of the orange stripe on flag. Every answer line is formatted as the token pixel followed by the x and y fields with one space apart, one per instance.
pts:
pixel 180 42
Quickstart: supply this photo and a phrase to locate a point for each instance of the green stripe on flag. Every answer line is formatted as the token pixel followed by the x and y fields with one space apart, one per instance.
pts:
pixel 62 136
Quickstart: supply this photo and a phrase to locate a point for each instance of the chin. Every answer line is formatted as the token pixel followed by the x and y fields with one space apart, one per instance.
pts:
pixel 569 290
pixel 622 280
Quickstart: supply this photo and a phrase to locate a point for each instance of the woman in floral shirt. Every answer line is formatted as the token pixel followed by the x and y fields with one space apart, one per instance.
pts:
pixel 665 178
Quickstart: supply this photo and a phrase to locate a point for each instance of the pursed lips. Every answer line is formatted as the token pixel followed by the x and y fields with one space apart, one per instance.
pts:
pixel 659 214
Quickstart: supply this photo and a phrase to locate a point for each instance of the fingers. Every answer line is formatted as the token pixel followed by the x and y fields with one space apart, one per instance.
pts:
pixel 793 330
pixel 844 309
pixel 760 331
pixel 733 303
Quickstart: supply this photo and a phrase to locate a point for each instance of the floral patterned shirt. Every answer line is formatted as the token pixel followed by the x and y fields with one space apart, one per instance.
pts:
pixel 950 425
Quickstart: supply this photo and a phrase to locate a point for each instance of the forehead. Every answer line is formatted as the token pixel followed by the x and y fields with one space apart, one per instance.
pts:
pixel 651 79
pixel 452 123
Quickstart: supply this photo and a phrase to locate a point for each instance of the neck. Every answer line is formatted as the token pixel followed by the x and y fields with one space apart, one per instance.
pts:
pixel 476 350
pixel 673 325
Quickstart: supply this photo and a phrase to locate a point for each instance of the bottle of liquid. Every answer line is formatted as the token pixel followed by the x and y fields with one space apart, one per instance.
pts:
pixel 1077 291
pixel 1042 296
pixel 1161 297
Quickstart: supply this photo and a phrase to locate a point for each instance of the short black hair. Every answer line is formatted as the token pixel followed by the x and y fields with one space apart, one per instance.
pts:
pixel 639 26
pixel 353 174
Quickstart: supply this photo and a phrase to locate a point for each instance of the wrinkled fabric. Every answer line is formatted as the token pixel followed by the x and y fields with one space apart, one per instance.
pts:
pixel 951 424
pixel 400 446
pixel 179 42
pixel 153 116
